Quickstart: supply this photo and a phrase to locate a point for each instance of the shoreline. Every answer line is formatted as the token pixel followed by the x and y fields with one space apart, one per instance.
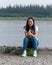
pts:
pixel 41 59
pixel 24 18
pixel 44 57
pixel 19 50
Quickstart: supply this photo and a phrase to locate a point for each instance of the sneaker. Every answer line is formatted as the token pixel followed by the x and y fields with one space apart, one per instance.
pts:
pixel 35 53
pixel 24 54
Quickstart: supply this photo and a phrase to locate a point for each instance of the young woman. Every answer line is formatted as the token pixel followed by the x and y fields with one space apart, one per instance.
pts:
pixel 31 32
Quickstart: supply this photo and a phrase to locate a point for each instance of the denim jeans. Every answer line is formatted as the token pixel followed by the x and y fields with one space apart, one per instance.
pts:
pixel 34 40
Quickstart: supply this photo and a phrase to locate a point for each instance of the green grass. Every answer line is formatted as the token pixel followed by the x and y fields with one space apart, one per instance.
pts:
pixel 30 52
pixel 47 19
pixel 13 18
pixel 23 18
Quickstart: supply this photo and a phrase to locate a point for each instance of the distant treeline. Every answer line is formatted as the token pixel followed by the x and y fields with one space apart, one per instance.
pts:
pixel 26 11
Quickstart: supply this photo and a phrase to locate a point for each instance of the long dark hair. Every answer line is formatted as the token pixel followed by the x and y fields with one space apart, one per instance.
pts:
pixel 27 26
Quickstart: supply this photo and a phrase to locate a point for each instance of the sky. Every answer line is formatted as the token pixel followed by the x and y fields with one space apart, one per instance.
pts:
pixel 5 3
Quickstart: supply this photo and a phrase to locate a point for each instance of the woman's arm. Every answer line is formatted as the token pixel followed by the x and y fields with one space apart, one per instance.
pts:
pixel 30 34
pixel 26 33
pixel 35 34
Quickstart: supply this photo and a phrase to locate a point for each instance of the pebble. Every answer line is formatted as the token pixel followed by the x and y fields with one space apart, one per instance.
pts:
pixel 42 59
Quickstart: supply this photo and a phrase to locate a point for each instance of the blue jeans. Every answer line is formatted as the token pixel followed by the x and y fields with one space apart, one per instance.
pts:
pixel 34 40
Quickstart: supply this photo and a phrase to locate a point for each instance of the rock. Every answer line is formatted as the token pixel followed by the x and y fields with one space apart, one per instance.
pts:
pixel 13 52
pixel 2 49
pixel 19 50
pixel 9 49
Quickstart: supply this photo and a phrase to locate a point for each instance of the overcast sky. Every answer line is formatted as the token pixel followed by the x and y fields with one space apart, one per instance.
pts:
pixel 4 3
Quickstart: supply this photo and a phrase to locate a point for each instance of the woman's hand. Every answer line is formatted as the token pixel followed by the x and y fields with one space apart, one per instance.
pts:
pixel 33 35
pixel 29 33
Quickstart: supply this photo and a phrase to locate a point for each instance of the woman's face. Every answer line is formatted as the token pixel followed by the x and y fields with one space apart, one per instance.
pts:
pixel 30 22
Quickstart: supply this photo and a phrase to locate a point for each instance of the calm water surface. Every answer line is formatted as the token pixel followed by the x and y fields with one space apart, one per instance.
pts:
pixel 12 33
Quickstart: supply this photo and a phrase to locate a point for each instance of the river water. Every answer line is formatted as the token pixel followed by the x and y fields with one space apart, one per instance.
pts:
pixel 12 33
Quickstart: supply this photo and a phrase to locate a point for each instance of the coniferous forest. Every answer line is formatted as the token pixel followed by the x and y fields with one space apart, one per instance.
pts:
pixel 26 11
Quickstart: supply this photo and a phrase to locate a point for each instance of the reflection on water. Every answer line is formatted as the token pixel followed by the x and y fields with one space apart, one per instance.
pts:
pixel 12 33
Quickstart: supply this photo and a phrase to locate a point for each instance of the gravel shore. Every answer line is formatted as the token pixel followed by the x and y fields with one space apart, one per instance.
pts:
pixel 44 58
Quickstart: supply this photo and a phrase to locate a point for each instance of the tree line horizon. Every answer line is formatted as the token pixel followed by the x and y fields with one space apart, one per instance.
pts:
pixel 26 11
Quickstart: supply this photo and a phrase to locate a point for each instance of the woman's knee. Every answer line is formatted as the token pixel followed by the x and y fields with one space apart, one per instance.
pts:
pixel 35 40
pixel 26 39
